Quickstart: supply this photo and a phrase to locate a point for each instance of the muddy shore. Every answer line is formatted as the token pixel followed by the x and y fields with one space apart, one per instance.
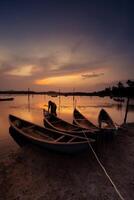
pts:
pixel 35 174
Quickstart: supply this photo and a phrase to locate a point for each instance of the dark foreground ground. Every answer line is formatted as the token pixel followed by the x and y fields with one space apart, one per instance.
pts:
pixel 34 174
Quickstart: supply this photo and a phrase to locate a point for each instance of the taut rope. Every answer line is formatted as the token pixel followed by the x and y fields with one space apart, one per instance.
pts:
pixel 104 170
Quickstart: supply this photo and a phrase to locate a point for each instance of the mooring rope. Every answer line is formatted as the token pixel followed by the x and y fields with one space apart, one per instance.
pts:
pixel 104 170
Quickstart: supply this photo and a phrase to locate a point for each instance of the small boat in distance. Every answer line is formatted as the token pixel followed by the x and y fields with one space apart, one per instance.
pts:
pixel 6 98
pixel 121 100
pixel 48 138
pixel 54 95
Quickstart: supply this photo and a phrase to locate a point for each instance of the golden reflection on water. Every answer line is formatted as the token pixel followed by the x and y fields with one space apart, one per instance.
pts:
pixel 89 106
pixel 30 108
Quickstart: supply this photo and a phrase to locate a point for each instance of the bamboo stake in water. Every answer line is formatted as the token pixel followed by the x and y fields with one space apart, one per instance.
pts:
pixel 125 118
pixel 73 97
pixel 59 101
pixel 28 99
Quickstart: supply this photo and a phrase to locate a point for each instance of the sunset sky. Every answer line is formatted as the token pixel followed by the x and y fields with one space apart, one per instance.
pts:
pixel 47 45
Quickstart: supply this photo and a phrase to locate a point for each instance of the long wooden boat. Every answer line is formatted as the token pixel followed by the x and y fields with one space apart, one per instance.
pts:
pixel 56 123
pixel 82 122
pixel 7 99
pixel 107 131
pixel 121 100
pixel 48 138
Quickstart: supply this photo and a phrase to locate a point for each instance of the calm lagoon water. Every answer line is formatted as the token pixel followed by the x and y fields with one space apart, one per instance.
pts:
pixel 31 109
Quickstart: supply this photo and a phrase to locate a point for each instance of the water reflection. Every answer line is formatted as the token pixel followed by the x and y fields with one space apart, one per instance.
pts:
pixel 119 106
pixel 28 103
pixel 59 107
pixel 30 108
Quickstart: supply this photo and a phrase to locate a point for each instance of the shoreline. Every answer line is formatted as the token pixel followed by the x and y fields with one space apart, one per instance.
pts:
pixel 32 173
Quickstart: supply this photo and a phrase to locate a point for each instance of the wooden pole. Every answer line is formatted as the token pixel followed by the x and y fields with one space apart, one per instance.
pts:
pixel 73 97
pixel 125 118
pixel 59 102
pixel 28 92
pixel 28 99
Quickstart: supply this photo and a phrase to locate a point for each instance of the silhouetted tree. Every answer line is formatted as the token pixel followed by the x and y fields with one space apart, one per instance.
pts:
pixel 108 89
pixel 130 83
pixel 120 85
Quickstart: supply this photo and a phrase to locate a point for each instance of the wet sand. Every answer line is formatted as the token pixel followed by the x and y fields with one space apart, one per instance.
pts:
pixel 33 173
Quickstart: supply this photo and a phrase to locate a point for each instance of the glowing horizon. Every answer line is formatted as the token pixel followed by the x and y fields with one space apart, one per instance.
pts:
pixel 80 47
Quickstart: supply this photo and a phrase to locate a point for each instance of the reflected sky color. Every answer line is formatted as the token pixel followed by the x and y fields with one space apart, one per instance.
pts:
pixel 45 45
pixel 31 109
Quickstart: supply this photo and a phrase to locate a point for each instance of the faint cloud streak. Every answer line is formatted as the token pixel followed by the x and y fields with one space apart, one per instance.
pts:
pixel 91 75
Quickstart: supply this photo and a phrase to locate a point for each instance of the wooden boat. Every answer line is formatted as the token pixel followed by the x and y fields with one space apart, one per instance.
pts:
pixel 58 124
pixel 81 121
pixel 7 99
pixel 48 138
pixel 52 121
pixel 104 118
pixel 54 95
pixel 121 100
pixel 99 132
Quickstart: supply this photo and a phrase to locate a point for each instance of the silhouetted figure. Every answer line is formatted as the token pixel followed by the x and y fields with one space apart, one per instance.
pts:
pixel 52 108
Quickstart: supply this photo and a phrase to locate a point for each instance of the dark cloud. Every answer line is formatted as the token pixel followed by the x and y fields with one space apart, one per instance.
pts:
pixel 93 75
pixel 75 59
pixel 52 64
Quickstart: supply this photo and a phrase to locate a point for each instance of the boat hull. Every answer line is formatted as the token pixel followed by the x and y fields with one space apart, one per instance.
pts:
pixel 61 147
pixel 82 122
pixel 99 133
pixel 6 99
pixel 55 123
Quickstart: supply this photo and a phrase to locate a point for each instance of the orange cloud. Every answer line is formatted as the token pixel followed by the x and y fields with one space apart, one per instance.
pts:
pixel 67 79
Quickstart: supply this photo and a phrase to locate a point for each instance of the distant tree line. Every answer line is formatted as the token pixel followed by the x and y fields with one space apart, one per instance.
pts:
pixel 120 90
